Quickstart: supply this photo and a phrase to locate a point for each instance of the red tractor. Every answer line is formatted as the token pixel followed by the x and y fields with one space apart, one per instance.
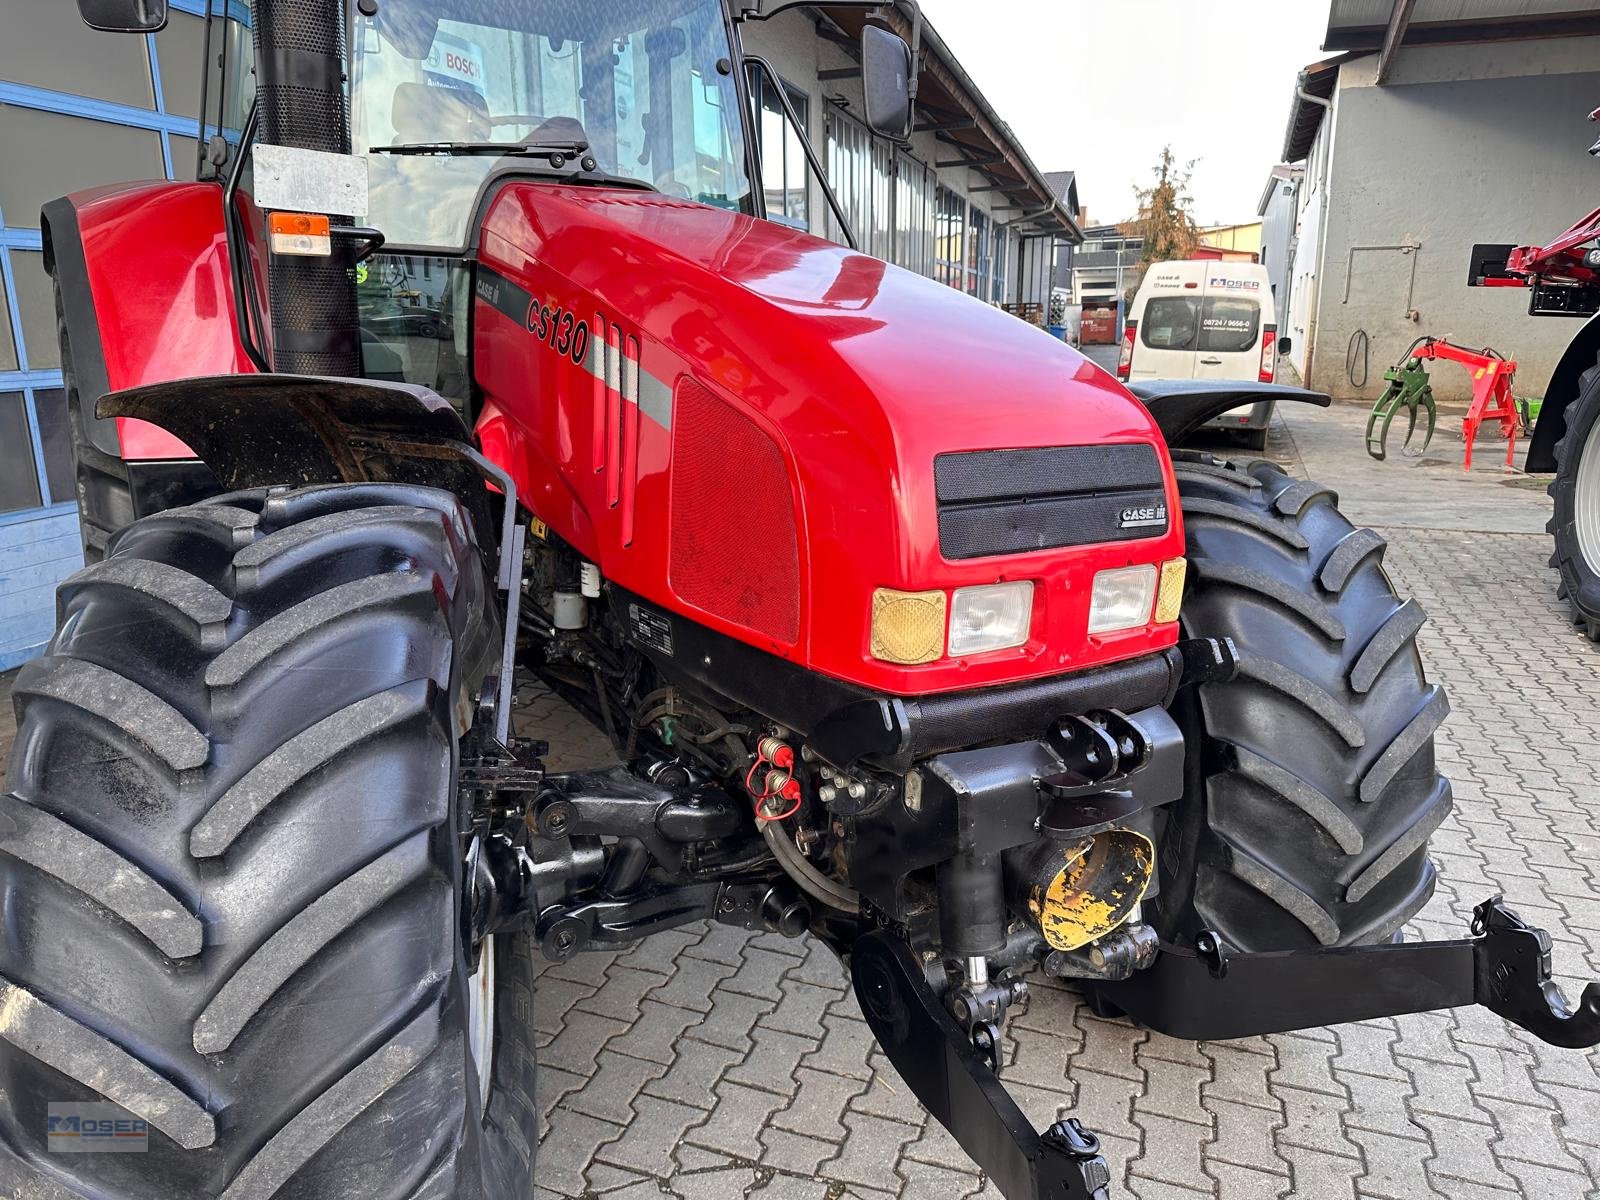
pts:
pixel 910 631
pixel 1563 280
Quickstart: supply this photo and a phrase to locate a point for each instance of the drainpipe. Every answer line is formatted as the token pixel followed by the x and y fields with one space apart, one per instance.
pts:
pixel 1322 220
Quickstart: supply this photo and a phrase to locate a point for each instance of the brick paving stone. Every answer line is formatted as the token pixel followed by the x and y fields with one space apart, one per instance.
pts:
pixel 1395 1166
pixel 610 1094
pixel 818 1107
pixel 1381 1106
pixel 1171 1089
pixel 760 974
pixel 1314 1120
pixel 696 1068
pixel 794 1152
pixel 887 1095
pixel 1245 1183
pixel 565 1154
pixel 732 1020
pixel 870 1152
pixel 772 1064
pixel 1173 1150
pixel 647 1145
pixel 1320 1174
pixel 621 993
pixel 657 1032
pixel 923 1181
pixel 1239 1075
pixel 800 1009
pixel 1244 1136
pixel 735 1124
pixel 844 1050
pixel 577 1047
pixel 787 1187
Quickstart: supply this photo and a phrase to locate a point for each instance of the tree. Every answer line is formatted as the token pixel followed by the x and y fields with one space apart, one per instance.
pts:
pixel 1165 220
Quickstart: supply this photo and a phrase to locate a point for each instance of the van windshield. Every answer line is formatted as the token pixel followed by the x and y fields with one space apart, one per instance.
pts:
pixel 642 84
pixel 1215 324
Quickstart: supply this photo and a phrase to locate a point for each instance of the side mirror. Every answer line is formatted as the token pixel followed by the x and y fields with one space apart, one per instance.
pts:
pixel 124 16
pixel 886 80
pixel 1285 345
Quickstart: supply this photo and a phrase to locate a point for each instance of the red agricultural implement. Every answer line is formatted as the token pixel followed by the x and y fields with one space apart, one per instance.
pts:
pixel 1409 389
pixel 909 629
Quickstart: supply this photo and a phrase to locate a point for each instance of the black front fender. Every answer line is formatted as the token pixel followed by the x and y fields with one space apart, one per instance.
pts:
pixel 259 430
pixel 1561 391
pixel 1180 406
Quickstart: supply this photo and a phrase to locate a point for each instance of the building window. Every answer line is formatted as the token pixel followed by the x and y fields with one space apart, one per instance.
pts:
pixel 784 175
pixel 913 214
pixel 19 477
pixel 978 251
pixel 949 238
pixel 1002 253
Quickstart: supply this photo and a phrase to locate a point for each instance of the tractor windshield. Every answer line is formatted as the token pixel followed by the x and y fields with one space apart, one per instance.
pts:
pixel 646 85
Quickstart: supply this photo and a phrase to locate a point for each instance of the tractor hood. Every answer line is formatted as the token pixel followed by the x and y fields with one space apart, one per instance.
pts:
pixel 858 374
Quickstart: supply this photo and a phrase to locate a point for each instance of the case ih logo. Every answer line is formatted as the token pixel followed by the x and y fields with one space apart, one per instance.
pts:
pixel 1143 517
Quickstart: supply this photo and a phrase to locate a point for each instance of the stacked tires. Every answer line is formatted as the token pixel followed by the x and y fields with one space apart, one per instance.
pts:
pixel 230 863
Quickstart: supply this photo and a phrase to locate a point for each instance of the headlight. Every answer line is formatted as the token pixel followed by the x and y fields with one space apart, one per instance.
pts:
pixel 1122 598
pixel 992 617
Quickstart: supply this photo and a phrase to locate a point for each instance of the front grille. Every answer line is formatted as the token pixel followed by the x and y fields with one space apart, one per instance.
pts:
pixel 1012 501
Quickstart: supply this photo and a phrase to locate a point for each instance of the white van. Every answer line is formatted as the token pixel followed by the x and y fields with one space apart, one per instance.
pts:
pixel 1204 319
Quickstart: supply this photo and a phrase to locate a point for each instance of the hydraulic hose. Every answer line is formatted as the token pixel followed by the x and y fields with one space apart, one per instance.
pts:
pixel 812 881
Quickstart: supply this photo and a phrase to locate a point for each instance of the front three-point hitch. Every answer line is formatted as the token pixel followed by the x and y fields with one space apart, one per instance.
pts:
pixel 1202 992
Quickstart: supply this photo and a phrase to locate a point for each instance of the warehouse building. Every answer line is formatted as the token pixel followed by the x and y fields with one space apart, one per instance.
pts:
pixel 1424 133
pixel 963 203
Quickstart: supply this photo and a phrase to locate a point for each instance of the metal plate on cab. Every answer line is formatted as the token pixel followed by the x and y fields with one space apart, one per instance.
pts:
pixel 291 179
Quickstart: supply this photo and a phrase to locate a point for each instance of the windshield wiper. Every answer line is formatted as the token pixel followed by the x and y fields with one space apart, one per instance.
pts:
pixel 557 153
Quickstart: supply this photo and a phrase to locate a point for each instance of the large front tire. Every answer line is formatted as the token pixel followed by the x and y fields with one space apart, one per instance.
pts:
pixel 1312 790
pixel 1575 490
pixel 230 863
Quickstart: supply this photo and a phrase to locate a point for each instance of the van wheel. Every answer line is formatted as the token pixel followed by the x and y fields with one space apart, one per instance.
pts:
pixel 1311 790
pixel 232 865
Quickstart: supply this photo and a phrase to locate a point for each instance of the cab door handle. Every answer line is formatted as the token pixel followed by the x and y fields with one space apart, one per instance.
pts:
pixel 1211 362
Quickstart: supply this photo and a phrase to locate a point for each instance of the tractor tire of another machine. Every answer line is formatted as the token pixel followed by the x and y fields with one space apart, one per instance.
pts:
pixel 1312 788
pixel 231 862
pixel 1576 492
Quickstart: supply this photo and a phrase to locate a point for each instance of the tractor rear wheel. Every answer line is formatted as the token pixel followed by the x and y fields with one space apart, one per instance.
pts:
pixel 1576 492
pixel 1312 790
pixel 230 852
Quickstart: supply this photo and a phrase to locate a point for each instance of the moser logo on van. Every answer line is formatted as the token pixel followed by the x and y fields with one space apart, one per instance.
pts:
pixel 1234 285
pixel 1142 516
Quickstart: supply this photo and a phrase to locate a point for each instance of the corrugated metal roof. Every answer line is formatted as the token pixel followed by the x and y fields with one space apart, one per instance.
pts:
pixel 1360 24
pixel 1343 14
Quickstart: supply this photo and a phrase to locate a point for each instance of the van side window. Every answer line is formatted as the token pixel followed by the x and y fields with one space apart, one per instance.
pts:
pixel 1171 322
pixel 1229 324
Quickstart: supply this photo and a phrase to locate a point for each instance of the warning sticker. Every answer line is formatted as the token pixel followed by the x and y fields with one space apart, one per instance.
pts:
pixel 650 628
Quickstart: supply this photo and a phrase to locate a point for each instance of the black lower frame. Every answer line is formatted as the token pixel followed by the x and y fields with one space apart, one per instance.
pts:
pixel 1204 993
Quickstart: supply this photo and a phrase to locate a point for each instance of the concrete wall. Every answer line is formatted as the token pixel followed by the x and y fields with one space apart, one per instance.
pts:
pixel 1465 144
